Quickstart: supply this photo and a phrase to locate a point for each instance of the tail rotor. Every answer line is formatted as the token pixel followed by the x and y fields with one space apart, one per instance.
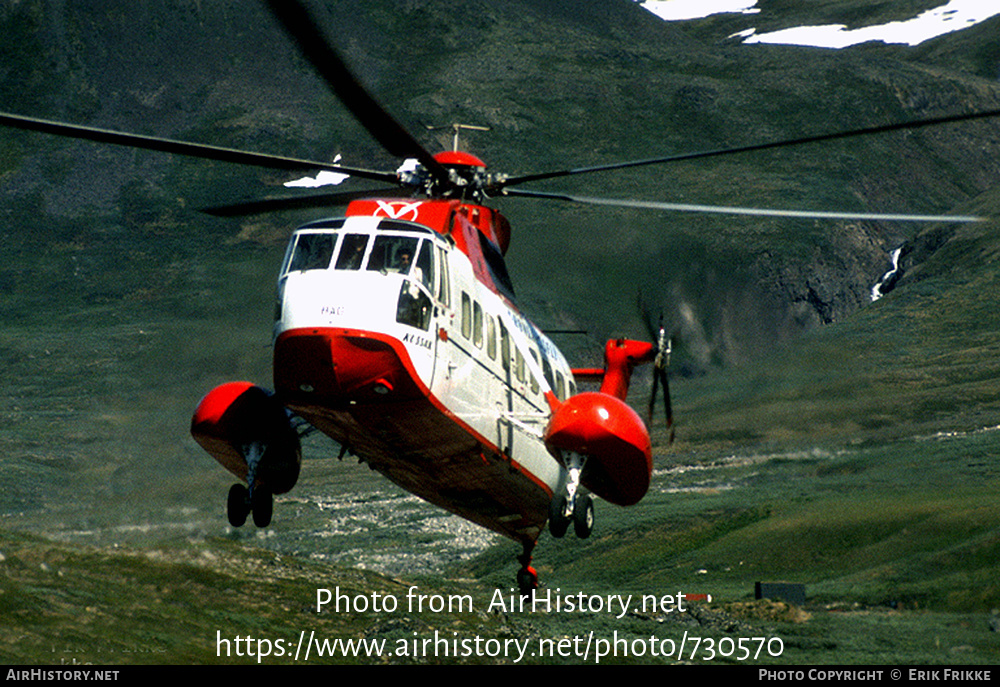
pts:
pixel 660 364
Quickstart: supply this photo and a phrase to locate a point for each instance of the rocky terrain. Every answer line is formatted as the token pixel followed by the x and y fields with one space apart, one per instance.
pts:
pixel 821 438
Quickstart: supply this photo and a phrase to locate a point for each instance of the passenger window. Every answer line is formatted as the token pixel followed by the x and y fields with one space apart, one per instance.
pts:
pixel 547 372
pixel 352 252
pixel 504 347
pixel 312 252
pixel 491 338
pixel 477 324
pixel 466 316
pixel 534 382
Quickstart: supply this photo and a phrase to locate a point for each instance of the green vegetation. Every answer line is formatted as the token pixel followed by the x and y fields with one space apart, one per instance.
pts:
pixel 857 458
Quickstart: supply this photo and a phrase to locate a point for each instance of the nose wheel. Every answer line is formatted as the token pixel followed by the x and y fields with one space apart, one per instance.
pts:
pixel 572 505
pixel 238 505
pixel 242 502
pixel 583 515
pixel 256 499
pixel 580 513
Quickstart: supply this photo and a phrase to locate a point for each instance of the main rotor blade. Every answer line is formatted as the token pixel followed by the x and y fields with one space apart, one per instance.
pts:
pixel 198 150
pixel 314 200
pixel 303 30
pixel 898 126
pixel 727 210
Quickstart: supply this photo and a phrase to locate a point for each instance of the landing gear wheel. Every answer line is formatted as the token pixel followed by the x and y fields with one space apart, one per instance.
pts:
pixel 262 506
pixel 238 505
pixel 558 522
pixel 583 515
pixel 527 581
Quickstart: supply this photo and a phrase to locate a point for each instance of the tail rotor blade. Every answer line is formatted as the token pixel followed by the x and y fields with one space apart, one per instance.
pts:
pixel 647 318
pixel 652 399
pixel 660 365
pixel 668 408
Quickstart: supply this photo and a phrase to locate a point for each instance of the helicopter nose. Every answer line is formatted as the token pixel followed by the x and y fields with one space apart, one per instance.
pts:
pixel 340 366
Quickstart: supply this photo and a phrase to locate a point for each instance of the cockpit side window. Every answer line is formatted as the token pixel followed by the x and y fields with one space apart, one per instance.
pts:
pixel 393 254
pixel 425 265
pixel 312 252
pixel 414 306
pixel 352 252
pixel 444 287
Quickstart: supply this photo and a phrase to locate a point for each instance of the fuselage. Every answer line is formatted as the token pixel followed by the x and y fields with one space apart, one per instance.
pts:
pixel 396 334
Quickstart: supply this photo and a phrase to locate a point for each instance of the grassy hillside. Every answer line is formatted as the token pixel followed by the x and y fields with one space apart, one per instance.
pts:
pixel 821 440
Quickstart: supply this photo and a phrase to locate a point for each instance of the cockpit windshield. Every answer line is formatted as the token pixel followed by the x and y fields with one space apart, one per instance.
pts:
pixel 312 252
pixel 421 264
pixel 408 256
pixel 393 254
pixel 352 252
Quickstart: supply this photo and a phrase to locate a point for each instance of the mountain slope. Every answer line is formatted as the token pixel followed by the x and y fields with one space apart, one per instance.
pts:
pixel 607 82
pixel 122 304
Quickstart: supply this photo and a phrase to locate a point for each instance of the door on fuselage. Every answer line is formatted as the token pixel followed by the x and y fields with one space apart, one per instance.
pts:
pixel 419 305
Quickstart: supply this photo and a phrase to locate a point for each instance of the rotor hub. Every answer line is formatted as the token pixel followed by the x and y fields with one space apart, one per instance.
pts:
pixel 467 178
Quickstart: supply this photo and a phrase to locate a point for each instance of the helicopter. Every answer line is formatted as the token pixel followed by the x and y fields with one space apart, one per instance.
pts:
pixel 397 335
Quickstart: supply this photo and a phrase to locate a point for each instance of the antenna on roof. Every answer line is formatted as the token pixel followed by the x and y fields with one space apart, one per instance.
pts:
pixel 456 128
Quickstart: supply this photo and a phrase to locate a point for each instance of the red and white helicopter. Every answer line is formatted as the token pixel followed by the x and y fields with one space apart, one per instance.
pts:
pixel 397 335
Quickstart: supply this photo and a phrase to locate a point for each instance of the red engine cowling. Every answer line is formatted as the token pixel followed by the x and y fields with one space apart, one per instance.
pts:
pixel 615 440
pixel 234 416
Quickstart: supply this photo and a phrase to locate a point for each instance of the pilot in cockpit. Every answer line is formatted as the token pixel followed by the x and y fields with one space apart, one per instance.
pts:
pixel 403 260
